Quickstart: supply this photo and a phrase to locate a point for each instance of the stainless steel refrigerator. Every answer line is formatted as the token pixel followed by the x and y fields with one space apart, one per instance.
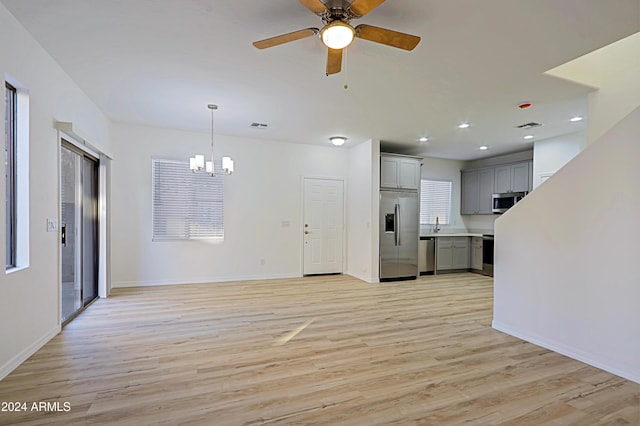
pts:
pixel 399 234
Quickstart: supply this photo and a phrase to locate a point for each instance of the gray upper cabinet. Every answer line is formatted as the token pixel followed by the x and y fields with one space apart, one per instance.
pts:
pixel 512 177
pixel 469 193
pixel 399 172
pixel 477 188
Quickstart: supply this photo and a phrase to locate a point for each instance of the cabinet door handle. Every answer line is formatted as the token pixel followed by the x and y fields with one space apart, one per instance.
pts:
pixel 63 235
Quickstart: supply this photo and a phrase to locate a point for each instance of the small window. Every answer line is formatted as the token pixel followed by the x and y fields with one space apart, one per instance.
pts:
pixel 185 205
pixel 10 173
pixel 435 201
pixel 16 150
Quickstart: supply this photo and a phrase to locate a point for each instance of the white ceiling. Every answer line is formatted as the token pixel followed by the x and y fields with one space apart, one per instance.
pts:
pixel 160 62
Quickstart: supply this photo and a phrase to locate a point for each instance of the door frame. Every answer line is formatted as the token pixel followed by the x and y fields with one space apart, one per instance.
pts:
pixel 103 247
pixel 344 218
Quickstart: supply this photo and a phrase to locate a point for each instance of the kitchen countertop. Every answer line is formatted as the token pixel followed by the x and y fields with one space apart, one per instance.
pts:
pixel 456 234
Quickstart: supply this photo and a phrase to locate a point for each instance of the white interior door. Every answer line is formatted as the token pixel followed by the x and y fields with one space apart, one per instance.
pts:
pixel 323 226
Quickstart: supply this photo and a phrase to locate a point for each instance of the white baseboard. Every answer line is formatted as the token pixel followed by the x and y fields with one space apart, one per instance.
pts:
pixel 15 362
pixel 569 351
pixel 152 283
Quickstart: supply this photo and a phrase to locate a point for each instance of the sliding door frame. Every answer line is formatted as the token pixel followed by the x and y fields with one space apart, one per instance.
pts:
pixel 103 220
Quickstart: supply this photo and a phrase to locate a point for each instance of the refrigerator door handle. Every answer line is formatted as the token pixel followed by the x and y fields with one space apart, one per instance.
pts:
pixel 399 227
pixel 395 224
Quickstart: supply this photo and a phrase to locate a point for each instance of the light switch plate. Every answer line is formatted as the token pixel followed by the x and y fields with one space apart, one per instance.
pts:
pixel 52 225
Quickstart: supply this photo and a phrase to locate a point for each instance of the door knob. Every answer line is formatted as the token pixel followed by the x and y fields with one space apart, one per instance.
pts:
pixel 306 232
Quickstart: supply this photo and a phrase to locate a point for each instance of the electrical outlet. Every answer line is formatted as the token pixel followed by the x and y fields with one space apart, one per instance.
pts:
pixel 52 225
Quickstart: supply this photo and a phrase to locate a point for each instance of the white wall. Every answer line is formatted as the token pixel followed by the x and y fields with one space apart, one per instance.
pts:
pixel 264 191
pixel 566 257
pixel 29 299
pixel 550 155
pixel 619 87
pixel 362 207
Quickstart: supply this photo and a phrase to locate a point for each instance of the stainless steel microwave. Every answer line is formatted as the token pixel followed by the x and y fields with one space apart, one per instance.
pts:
pixel 503 202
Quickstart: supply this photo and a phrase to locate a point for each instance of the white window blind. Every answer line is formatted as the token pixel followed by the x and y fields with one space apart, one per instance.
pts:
pixel 435 201
pixel 185 205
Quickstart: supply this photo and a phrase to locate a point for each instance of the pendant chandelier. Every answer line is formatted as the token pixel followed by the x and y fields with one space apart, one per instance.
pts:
pixel 197 163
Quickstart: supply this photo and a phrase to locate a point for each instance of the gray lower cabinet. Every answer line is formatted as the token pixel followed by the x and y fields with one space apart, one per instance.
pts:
pixel 476 253
pixel 453 253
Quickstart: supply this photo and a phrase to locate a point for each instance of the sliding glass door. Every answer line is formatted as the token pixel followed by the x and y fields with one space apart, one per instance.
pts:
pixel 79 230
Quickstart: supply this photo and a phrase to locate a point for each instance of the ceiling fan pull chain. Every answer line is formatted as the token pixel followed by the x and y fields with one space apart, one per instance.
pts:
pixel 346 69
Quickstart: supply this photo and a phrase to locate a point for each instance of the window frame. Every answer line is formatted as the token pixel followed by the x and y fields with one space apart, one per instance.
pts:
pixel 11 223
pixel 446 220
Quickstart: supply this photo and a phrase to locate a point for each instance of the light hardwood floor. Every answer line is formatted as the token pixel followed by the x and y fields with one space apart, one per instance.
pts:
pixel 318 350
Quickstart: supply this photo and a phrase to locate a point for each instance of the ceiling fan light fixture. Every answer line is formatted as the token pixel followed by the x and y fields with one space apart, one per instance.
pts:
pixel 337 35
pixel 338 140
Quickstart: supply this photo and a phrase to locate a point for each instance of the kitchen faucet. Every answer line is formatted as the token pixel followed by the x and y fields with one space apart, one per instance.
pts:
pixel 437 227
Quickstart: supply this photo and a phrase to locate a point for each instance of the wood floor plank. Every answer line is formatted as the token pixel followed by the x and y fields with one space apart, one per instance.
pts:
pixel 313 350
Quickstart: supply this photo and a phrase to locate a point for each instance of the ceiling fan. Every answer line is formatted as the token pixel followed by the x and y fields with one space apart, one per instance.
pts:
pixel 337 33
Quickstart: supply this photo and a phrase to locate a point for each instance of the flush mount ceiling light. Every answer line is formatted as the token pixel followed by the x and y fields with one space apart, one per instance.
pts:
pixel 337 35
pixel 197 163
pixel 338 140
pixel 464 125
pixel 528 137
pixel 483 148
pixel 423 139
pixel 576 119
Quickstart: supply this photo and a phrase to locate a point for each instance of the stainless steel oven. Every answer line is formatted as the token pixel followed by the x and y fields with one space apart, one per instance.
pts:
pixel 487 254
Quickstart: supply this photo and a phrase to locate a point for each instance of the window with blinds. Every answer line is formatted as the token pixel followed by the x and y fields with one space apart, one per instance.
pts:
pixel 435 201
pixel 185 205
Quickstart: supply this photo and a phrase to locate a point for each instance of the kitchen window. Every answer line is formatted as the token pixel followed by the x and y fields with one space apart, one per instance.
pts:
pixel 185 205
pixel 435 201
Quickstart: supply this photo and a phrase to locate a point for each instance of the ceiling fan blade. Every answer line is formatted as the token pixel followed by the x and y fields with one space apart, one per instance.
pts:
pixel 316 6
pixel 285 38
pixel 361 7
pixel 334 61
pixel 388 37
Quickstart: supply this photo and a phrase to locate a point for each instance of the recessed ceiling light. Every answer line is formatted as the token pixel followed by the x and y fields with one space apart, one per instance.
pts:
pixel 576 118
pixel 423 139
pixel 528 137
pixel 463 126
pixel 484 148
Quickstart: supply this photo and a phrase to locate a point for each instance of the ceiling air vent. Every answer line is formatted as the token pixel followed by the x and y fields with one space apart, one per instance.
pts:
pixel 530 125
pixel 259 125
